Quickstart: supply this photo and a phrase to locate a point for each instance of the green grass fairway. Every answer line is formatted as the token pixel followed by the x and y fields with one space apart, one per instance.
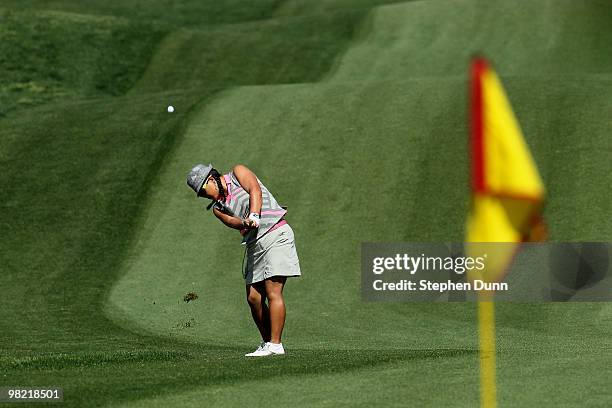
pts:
pixel 365 106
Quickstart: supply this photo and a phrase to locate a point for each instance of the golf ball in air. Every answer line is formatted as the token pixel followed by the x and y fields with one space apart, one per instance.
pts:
pixel 170 109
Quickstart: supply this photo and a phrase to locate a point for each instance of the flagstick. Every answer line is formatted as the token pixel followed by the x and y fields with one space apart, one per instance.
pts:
pixel 486 338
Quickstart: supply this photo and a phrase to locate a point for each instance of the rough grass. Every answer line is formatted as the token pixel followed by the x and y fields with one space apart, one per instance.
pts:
pixel 179 13
pixel 51 56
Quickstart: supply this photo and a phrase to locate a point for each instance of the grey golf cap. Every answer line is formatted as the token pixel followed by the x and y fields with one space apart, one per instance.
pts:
pixel 197 176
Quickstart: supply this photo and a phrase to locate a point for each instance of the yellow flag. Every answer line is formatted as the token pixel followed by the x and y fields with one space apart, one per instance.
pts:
pixel 507 192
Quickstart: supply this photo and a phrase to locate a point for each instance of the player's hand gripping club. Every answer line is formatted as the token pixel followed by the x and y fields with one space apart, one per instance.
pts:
pixel 252 221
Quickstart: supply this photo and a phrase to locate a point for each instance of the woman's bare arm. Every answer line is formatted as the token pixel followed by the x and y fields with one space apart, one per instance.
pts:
pixel 228 220
pixel 248 181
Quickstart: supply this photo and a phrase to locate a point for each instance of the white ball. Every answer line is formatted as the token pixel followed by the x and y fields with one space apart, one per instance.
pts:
pixel 170 109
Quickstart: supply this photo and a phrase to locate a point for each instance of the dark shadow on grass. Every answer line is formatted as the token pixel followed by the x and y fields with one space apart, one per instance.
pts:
pixel 331 361
pixel 59 361
pixel 123 377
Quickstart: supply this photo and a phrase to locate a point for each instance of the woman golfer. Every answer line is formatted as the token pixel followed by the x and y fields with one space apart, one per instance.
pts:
pixel 242 202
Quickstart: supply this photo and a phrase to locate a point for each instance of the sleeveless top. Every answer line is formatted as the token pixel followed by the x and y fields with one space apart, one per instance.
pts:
pixel 237 204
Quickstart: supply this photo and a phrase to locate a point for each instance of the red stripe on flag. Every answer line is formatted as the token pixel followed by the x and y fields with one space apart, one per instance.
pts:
pixel 479 66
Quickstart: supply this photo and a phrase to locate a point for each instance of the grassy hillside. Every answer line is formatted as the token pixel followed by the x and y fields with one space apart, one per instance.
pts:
pixel 354 114
pixel 176 13
pixel 51 56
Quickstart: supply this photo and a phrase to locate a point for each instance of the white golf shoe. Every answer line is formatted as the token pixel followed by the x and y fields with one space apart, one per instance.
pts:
pixel 267 349
pixel 276 348
pixel 261 351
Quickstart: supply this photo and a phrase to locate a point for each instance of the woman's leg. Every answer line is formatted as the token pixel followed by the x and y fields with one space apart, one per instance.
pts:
pixel 276 304
pixel 256 296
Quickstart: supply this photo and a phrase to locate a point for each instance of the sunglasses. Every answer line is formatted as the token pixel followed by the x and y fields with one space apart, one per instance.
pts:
pixel 203 188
